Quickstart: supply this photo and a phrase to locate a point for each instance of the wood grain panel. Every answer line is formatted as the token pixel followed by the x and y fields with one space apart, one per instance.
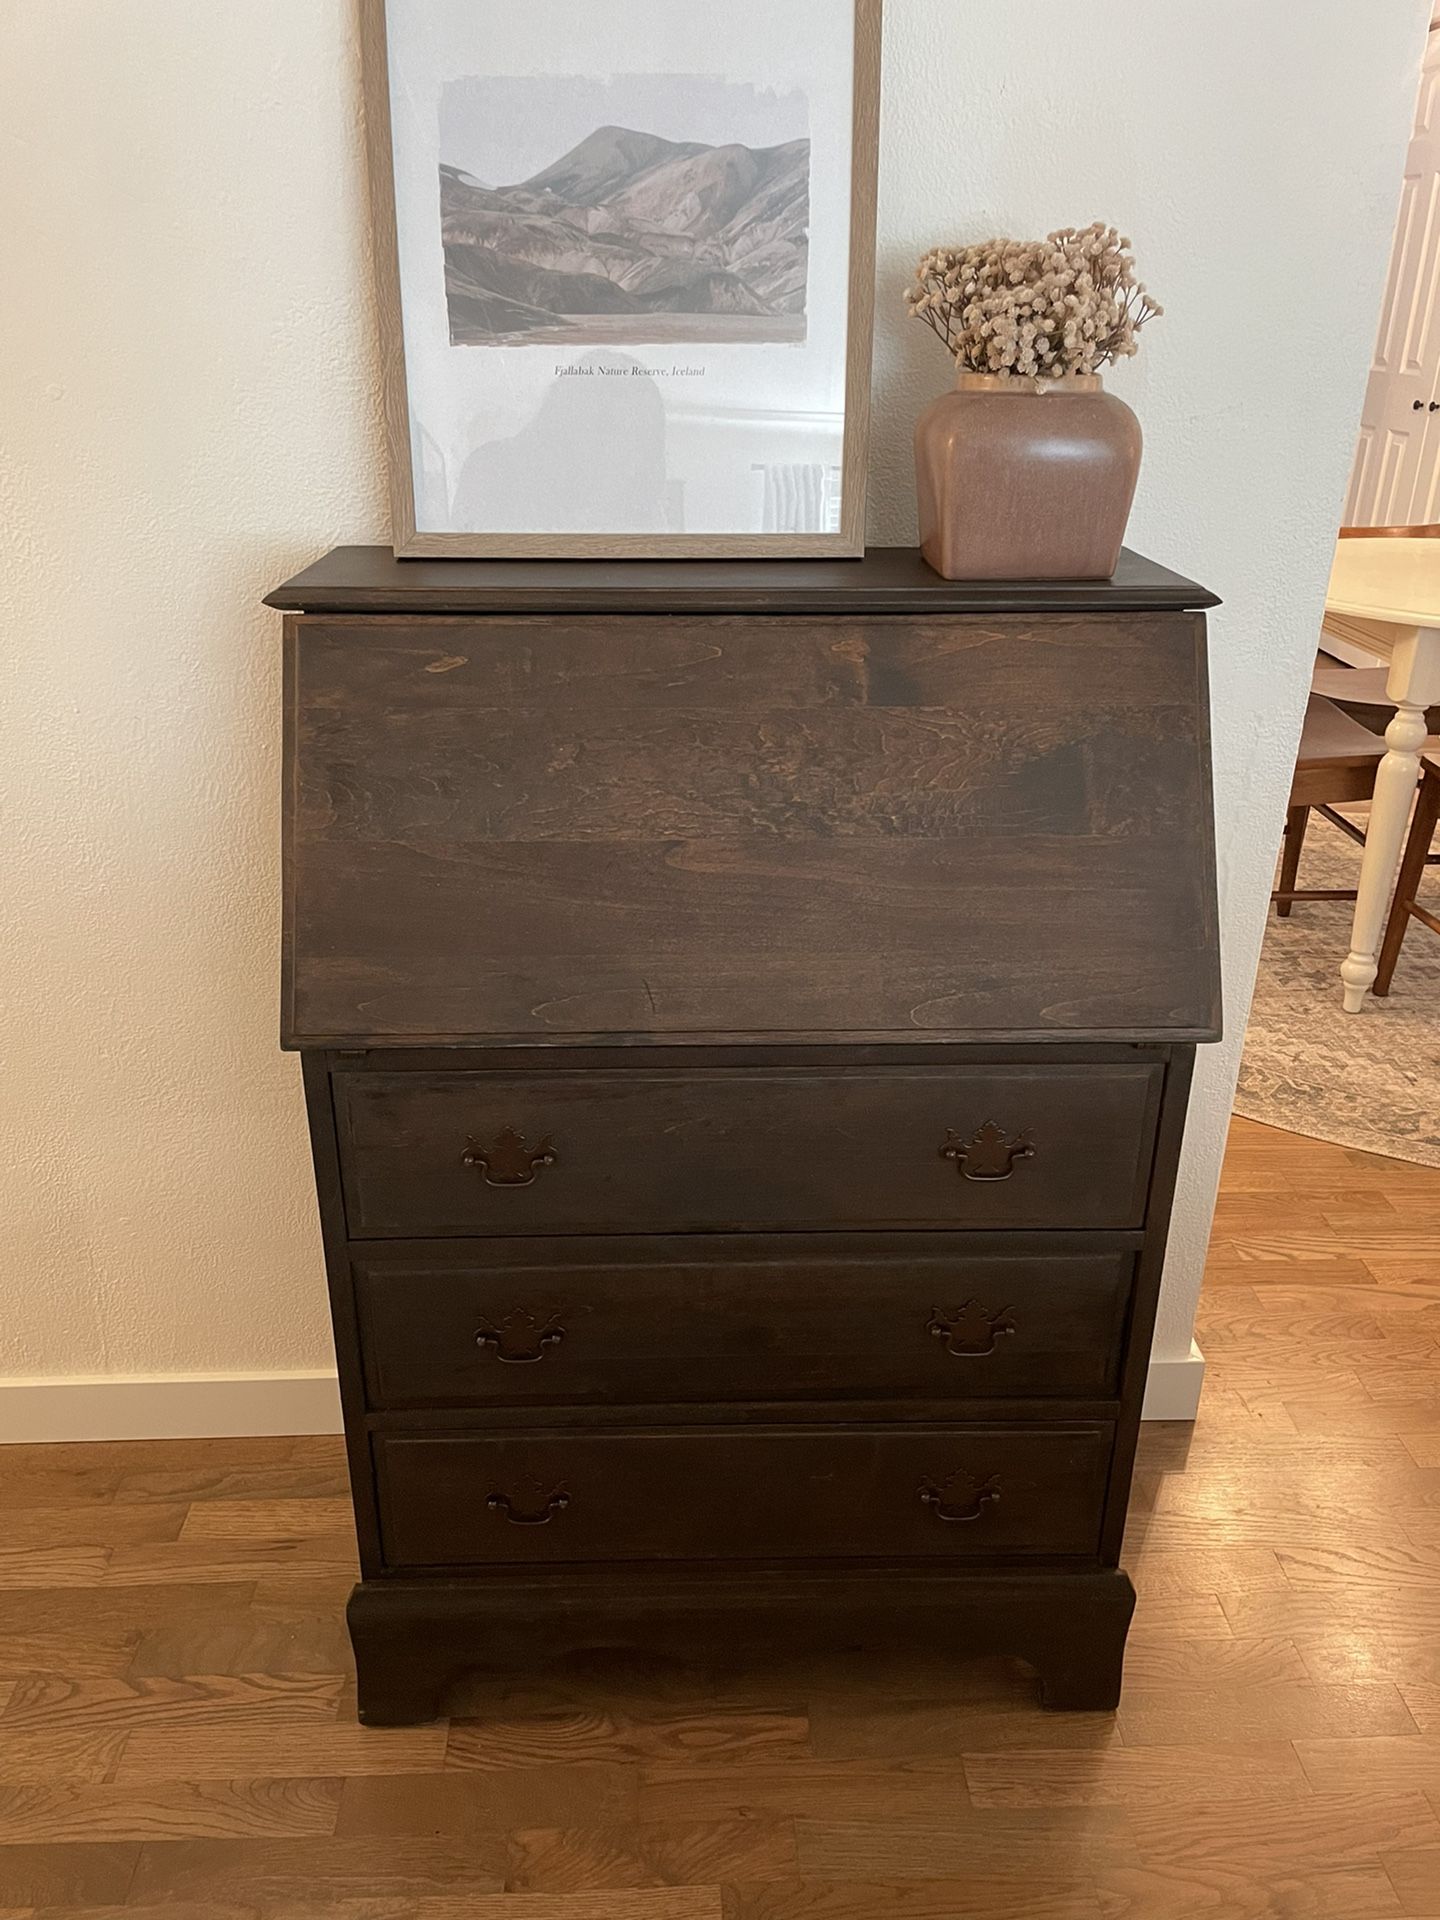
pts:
pixel 287 1519
pixel 719 1495
pixel 1352 1564
pixel 200 1562
pixel 885 580
pixel 311 1480
pixel 1009 1896
pixel 659 1903
pixel 334 1748
pixel 1422 1698
pixel 315 1871
pixel 107 1525
pixel 533 826
pixel 1161 1663
pixel 62 1753
pixel 78 1631
pixel 1161 1890
pixel 492 1800
pixel 932 1733
pixel 1046 1844
pixel 695 1792
pixel 1181 1572
pixel 725 1318
pixel 1112 1775
pixel 64 1876
pixel 653 1152
pixel 738 1738
pixel 1393 1763
pixel 773 939
pixel 1162 1717
pixel 1181 1619
pixel 247 1642
pixel 1338 1654
pixel 52 1703
pixel 1332 1609
pixel 169 1810
pixel 565 1861
pixel 606 664
pixel 1414 1874
pixel 1323 1833
pixel 32 1567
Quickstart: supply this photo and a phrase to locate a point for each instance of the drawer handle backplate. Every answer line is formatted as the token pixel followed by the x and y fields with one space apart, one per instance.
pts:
pixel 507 1161
pixel 961 1497
pixel 521 1338
pixel 990 1153
pixel 539 1515
pixel 970 1331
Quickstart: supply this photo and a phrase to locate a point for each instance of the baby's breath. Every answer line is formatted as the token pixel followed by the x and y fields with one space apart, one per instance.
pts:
pixel 1039 308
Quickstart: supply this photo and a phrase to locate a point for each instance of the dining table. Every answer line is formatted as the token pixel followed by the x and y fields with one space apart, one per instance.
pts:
pixel 1394 583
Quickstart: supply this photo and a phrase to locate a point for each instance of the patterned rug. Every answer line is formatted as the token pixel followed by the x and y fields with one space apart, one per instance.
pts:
pixel 1370 1079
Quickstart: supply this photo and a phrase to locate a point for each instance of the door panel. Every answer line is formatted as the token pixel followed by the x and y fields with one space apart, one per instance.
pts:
pixel 1394 478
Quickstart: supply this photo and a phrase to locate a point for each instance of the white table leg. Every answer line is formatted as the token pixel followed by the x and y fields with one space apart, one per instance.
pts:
pixel 1414 684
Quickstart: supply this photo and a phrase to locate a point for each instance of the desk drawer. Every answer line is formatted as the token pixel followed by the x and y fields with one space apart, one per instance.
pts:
pixel 614 1151
pixel 927 1493
pixel 720 1317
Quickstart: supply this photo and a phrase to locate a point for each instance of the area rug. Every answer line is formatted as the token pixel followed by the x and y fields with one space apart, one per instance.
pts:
pixel 1368 1080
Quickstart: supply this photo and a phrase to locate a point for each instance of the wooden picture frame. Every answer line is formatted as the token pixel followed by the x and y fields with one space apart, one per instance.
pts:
pixel 805 507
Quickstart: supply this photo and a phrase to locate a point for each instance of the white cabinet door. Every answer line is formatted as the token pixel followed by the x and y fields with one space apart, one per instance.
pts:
pixel 1396 475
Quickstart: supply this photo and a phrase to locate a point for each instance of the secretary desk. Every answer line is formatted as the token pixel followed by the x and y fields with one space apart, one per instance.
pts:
pixel 747 1011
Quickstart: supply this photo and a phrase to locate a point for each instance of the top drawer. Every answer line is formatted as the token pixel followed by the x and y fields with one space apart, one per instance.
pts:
pixel 631 1150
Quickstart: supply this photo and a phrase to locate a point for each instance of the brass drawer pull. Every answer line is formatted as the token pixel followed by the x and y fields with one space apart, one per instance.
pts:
pixel 537 1516
pixel 508 1161
pixel 522 1338
pixel 990 1153
pixel 961 1497
pixel 970 1331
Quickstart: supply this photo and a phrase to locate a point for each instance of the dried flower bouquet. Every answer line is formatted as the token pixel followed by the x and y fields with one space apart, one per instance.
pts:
pixel 1040 309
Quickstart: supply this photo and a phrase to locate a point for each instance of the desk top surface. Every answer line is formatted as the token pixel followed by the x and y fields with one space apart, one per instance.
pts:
pixel 886 580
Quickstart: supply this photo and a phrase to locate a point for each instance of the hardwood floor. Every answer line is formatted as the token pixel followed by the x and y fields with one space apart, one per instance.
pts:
pixel 177 1735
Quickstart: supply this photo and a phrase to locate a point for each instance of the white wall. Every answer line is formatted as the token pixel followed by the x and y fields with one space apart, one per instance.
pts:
pixel 188 412
pixel 1257 168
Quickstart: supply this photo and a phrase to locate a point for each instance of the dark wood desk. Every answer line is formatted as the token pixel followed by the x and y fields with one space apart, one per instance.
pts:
pixel 747 1015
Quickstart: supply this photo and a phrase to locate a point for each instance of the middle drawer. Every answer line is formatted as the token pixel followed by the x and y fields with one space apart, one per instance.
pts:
pixel 734 1317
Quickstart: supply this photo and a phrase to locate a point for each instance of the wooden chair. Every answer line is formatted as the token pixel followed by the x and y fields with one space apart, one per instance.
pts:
pixel 1335 766
pixel 1353 686
pixel 1363 687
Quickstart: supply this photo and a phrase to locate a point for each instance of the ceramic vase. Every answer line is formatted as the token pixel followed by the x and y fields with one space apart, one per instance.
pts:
pixel 1025 480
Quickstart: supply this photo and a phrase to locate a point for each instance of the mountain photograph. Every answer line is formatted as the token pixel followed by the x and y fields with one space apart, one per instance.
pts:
pixel 631 239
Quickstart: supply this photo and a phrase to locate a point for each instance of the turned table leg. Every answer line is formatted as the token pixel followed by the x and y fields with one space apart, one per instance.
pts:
pixel 1414 684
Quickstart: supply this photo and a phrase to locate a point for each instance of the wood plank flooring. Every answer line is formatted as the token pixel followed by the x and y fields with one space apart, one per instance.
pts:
pixel 177 1736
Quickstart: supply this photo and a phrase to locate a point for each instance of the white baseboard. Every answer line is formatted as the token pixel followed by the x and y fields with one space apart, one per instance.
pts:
pixel 1172 1391
pixel 168 1406
pixel 202 1406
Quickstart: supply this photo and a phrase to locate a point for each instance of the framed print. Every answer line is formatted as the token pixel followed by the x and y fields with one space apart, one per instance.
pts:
pixel 626 255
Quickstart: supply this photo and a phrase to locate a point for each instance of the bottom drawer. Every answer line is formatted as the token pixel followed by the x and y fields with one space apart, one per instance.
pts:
pixel 918 1492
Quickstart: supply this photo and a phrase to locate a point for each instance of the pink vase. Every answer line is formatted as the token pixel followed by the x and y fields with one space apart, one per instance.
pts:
pixel 1019 480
